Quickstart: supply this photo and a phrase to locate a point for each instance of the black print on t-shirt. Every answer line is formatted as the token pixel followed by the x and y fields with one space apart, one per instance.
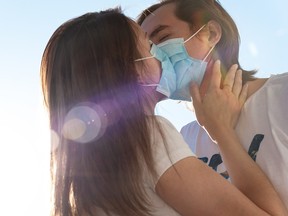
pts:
pixel 255 145
pixel 214 162
pixel 204 159
pixel 216 159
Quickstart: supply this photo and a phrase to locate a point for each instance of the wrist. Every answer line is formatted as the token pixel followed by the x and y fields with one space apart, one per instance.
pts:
pixel 223 134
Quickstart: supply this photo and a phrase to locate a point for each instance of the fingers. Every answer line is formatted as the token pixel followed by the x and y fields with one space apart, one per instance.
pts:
pixel 216 75
pixel 197 101
pixel 228 82
pixel 237 87
pixel 243 95
pixel 233 81
pixel 195 93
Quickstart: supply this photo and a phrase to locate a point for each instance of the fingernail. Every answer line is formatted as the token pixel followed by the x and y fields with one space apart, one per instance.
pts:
pixel 235 66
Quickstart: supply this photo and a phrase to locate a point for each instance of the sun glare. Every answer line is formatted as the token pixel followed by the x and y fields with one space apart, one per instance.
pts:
pixel 24 182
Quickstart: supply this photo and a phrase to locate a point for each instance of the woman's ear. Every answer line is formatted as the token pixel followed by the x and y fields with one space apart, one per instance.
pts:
pixel 215 32
pixel 140 74
pixel 140 80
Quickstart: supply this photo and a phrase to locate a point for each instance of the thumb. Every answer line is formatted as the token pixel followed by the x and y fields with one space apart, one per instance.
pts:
pixel 196 97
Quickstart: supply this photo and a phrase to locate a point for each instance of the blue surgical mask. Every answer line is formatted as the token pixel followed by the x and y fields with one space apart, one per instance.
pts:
pixel 167 83
pixel 187 69
pixel 178 68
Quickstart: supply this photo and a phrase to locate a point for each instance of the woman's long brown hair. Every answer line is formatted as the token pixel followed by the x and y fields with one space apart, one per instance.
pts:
pixel 88 65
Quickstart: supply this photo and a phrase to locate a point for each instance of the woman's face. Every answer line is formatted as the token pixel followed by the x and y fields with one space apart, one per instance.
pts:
pixel 149 69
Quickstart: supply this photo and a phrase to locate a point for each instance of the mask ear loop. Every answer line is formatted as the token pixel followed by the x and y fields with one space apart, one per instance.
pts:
pixel 208 54
pixel 194 34
pixel 144 58
pixel 148 57
pixel 149 85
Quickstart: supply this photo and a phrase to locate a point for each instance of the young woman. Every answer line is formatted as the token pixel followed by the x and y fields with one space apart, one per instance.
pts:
pixel 113 156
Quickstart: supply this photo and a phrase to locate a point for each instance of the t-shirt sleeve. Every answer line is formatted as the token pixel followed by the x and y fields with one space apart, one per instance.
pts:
pixel 169 150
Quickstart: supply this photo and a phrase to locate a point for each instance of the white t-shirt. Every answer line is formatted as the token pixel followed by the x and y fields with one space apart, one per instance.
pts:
pixel 263 131
pixel 177 149
pixel 205 149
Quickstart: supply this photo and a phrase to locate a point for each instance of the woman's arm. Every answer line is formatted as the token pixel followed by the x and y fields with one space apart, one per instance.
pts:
pixel 192 188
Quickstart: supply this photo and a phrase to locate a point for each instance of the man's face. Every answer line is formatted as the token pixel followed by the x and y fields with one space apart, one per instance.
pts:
pixel 162 25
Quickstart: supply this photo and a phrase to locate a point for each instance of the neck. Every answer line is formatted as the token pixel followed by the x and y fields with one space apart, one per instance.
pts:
pixel 151 100
pixel 253 86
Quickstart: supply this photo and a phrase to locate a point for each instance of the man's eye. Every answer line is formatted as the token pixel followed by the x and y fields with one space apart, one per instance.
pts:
pixel 163 38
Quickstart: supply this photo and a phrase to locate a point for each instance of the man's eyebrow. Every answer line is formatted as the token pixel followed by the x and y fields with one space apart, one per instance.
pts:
pixel 157 30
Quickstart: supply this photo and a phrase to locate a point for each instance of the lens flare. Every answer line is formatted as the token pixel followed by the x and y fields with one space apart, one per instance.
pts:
pixel 74 129
pixel 84 123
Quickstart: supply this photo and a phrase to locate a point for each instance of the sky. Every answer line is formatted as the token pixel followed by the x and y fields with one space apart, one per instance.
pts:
pixel 26 27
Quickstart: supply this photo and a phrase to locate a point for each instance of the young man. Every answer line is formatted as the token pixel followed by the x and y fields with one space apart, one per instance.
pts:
pixel 263 123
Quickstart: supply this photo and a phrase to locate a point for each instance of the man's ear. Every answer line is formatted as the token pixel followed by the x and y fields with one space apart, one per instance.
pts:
pixel 215 32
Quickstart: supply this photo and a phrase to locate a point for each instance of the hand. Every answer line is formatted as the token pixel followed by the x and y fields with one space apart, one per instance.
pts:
pixel 219 108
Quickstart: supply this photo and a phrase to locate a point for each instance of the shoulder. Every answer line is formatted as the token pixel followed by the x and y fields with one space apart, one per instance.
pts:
pixel 168 146
pixel 167 131
pixel 262 83
pixel 193 129
pixel 255 85
pixel 276 75
pixel 279 78
pixel 164 122
pixel 190 126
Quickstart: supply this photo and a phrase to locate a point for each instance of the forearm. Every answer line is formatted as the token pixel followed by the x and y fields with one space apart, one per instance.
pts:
pixel 245 173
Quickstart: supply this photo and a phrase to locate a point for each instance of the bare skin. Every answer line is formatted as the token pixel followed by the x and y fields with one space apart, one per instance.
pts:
pixel 194 182
pixel 163 25
pixel 221 197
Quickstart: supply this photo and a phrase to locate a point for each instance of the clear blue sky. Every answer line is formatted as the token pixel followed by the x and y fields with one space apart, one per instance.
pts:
pixel 25 29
